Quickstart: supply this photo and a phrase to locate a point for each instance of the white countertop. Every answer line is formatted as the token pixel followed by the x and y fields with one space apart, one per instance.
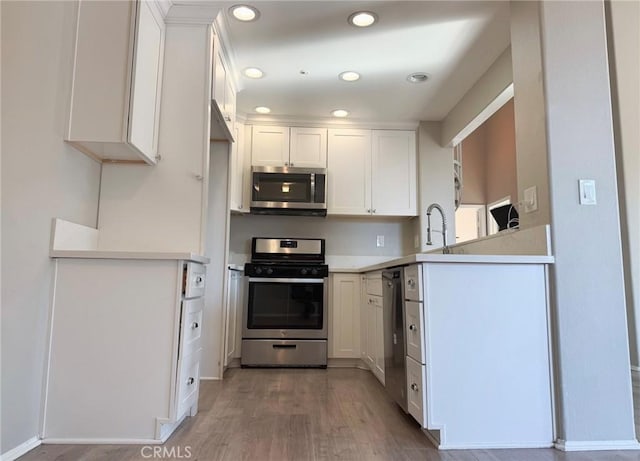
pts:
pixel 105 254
pixel 450 258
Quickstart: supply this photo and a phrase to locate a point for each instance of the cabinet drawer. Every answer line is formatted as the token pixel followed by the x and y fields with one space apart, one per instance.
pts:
pixel 188 382
pixel 416 392
pixel 194 280
pixel 191 325
pixel 374 283
pixel 414 330
pixel 413 283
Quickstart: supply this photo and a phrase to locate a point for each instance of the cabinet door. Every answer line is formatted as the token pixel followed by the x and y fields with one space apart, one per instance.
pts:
pixel 233 306
pixel 414 329
pixel 416 392
pixel 219 75
pixel 345 316
pixel 308 147
pixel 146 82
pixel 237 171
pixel 270 146
pixel 371 335
pixel 229 112
pixel 379 338
pixel 394 173
pixel 349 172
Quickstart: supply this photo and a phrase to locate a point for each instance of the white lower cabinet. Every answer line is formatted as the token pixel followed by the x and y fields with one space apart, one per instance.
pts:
pixel 413 328
pixel 416 391
pixel 234 306
pixel 344 334
pixel 378 347
pixel 125 347
pixel 372 324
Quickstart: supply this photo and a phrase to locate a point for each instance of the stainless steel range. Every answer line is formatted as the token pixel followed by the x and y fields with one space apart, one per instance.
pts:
pixel 285 317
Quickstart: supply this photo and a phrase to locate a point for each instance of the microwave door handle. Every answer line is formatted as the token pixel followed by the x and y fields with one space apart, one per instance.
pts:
pixel 312 179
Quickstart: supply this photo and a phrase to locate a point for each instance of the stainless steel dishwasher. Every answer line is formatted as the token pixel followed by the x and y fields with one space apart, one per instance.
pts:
pixel 395 373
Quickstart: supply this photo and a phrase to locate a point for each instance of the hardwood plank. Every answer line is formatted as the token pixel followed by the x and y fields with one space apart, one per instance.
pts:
pixel 300 415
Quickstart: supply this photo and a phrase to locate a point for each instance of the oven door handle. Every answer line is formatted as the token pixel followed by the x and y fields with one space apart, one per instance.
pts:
pixel 283 280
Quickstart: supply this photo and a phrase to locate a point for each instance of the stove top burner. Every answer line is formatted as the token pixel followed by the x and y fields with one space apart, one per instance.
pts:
pixel 278 270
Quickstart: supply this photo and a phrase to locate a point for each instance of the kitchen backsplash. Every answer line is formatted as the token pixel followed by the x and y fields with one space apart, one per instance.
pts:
pixel 346 236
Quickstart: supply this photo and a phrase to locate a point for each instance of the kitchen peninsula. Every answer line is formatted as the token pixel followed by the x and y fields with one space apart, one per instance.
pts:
pixel 477 329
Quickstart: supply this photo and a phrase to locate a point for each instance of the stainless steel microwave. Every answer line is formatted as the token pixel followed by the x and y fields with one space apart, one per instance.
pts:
pixel 289 190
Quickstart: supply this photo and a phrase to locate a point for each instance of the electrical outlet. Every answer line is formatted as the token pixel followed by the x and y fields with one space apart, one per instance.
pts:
pixel 380 241
pixel 530 199
pixel 416 241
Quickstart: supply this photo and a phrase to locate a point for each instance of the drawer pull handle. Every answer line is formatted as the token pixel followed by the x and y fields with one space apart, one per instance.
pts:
pixel 190 381
pixel 413 327
pixel 194 325
pixel 414 387
pixel 284 346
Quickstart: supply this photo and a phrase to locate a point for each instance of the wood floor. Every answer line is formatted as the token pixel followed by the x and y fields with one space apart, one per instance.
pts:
pixel 299 415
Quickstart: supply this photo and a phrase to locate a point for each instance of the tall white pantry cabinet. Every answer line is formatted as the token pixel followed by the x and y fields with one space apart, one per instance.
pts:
pixel 125 345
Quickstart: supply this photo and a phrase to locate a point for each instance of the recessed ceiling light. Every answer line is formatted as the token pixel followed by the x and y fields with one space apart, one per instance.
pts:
pixel 349 76
pixel 262 110
pixel 418 77
pixel 363 18
pixel 253 72
pixel 244 13
pixel 340 113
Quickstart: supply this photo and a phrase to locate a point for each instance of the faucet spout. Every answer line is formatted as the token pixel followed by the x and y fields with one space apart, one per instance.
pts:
pixel 430 208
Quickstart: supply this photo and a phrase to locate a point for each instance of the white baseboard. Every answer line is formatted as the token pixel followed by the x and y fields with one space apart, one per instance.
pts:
pixel 493 446
pixel 21 449
pixel 209 378
pixel 346 363
pixel 97 441
pixel 597 445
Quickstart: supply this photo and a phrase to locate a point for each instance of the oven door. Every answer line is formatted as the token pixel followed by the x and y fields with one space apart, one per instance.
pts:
pixel 292 308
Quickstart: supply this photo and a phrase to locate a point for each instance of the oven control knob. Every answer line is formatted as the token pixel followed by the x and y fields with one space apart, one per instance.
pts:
pixel 303 271
pixel 269 271
pixel 314 271
pixel 258 270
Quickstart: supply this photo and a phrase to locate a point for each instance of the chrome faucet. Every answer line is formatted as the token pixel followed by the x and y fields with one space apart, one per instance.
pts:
pixel 445 248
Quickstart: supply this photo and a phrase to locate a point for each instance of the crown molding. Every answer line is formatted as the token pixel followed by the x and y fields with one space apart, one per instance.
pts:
pixel 191 13
pixel 251 119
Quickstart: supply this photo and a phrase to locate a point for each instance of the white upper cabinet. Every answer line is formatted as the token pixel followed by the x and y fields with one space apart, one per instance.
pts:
pixel 284 146
pixel 349 172
pixel 308 147
pixel 223 94
pixel 238 173
pixel 270 146
pixel 117 81
pixel 394 173
pixel 372 172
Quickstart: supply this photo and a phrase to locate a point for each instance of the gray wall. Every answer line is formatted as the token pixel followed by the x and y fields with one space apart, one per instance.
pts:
pixel 436 184
pixel 346 236
pixel 625 74
pixel 529 109
pixel 42 178
pixel 588 302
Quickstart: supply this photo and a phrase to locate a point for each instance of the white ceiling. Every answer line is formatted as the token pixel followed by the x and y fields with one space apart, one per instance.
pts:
pixel 455 42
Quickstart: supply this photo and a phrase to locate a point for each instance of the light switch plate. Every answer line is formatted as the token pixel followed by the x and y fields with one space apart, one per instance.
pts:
pixel 587 189
pixel 531 199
